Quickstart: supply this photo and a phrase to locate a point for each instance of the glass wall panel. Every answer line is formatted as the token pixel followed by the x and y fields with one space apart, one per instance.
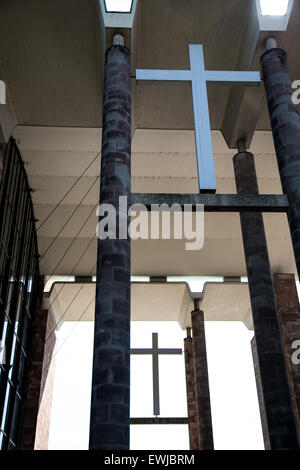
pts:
pixel 18 289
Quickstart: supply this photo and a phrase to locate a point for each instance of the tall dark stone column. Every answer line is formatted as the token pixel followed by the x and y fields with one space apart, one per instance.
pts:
pixel 285 122
pixel 276 392
pixel 204 422
pixel 191 392
pixel 260 396
pixel 109 428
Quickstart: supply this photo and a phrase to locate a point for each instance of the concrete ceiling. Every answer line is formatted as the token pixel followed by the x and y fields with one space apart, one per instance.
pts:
pixel 51 54
pixel 52 58
pixel 162 162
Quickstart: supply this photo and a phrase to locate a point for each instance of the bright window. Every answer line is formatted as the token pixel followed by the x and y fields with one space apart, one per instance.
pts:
pixel 274 7
pixel 118 6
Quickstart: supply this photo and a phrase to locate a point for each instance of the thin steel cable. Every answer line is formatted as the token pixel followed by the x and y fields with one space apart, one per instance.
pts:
pixel 67 193
pixel 69 218
pixel 68 336
pixel 71 303
pixel 72 243
pixel 70 275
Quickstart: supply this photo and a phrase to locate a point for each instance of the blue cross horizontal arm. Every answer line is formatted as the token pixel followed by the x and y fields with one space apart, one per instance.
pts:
pixel 214 77
pixel 218 77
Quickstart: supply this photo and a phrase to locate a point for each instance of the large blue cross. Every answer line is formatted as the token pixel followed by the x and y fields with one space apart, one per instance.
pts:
pixel 199 78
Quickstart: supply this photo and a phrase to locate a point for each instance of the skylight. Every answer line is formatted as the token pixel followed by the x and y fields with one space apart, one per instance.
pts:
pixel 274 7
pixel 118 6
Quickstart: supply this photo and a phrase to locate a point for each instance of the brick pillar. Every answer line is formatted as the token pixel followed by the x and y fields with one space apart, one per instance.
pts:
pixel 110 420
pixel 204 422
pixel 47 384
pixel 277 398
pixel 289 317
pixel 41 352
pixel 191 393
pixel 285 122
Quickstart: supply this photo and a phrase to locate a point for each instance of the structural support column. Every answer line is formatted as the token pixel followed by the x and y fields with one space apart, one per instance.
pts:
pixel 275 387
pixel 285 122
pixel 260 396
pixel 47 385
pixel 43 343
pixel 204 422
pixel 110 419
pixel 289 318
pixel 191 391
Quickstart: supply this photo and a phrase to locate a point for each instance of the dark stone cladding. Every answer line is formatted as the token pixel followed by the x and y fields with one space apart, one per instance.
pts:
pixel 110 419
pixel 276 392
pixel 204 421
pixel 285 122
pixel 191 393
pixel 260 396
pixel 289 319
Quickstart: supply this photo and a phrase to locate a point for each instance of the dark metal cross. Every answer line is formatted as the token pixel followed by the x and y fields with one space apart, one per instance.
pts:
pixel 155 352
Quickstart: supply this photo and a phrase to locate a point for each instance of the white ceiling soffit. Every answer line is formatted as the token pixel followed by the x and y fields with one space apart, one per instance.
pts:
pixel 118 20
pixel 161 301
pixel 273 22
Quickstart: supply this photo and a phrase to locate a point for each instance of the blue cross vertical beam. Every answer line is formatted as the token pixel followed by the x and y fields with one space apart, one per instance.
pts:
pixel 199 78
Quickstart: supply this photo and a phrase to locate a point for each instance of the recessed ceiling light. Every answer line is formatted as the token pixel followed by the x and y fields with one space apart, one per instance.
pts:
pixel 118 6
pixel 274 7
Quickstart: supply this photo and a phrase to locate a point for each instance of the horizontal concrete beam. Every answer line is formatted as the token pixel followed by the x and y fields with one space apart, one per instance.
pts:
pixel 217 202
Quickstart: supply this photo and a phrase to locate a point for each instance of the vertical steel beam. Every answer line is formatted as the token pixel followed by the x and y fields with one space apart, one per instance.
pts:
pixel 110 420
pixel 285 122
pixel 276 392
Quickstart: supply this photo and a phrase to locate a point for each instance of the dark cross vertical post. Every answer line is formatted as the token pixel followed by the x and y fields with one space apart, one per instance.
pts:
pixel 110 417
pixel 285 122
pixel 204 421
pixel 155 352
pixel 275 387
pixel 156 404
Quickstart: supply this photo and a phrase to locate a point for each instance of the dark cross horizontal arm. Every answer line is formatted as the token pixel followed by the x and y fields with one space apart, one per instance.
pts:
pixel 217 202
pixel 159 420
pixel 158 351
